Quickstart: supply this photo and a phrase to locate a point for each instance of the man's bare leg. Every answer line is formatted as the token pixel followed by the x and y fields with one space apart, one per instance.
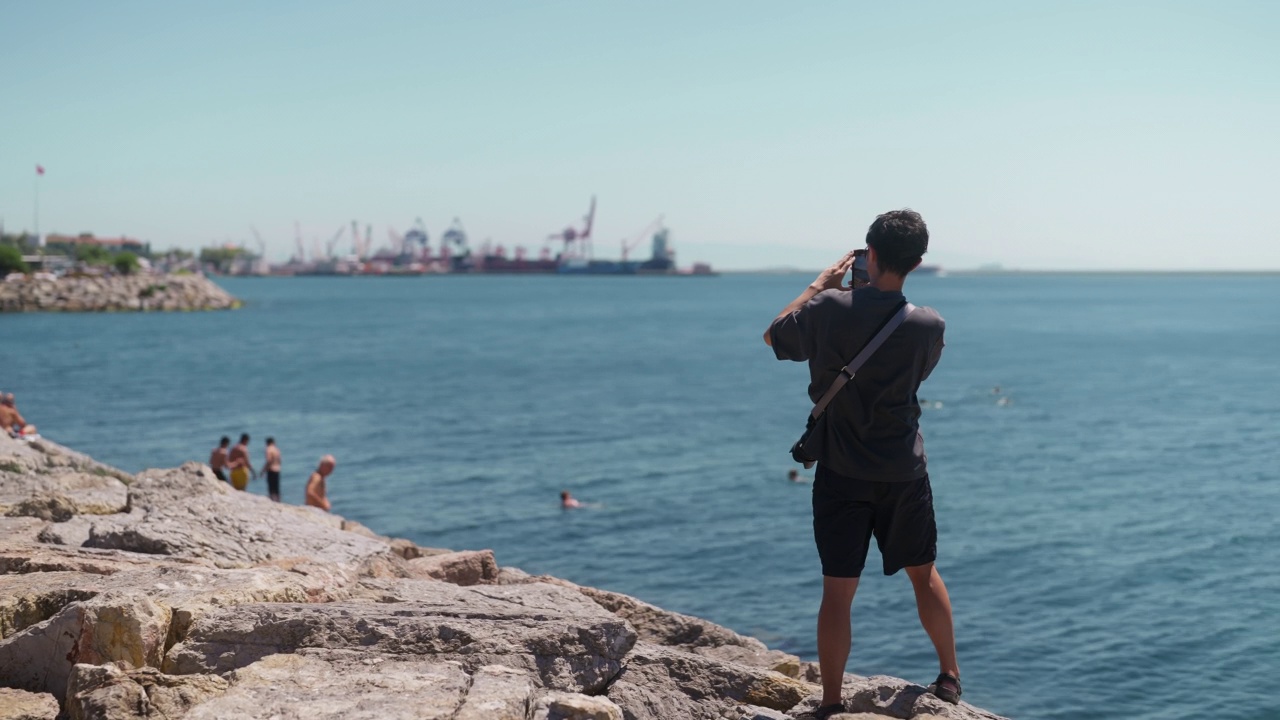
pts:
pixel 834 634
pixel 934 606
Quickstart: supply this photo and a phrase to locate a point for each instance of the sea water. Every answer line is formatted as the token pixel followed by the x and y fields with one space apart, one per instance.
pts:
pixel 1107 519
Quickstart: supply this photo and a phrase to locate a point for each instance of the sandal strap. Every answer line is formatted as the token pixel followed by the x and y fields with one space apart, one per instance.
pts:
pixel 949 679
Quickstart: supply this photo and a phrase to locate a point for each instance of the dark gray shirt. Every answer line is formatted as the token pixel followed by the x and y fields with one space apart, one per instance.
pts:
pixel 871 430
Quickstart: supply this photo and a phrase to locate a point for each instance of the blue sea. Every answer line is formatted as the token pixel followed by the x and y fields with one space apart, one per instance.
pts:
pixel 1108 531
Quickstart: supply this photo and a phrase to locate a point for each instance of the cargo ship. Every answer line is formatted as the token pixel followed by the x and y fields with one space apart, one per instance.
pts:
pixel 575 256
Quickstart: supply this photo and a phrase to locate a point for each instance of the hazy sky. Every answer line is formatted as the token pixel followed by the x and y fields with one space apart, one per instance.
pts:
pixel 1033 134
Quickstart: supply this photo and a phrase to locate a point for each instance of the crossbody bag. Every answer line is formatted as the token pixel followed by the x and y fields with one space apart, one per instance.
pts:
pixel 798 451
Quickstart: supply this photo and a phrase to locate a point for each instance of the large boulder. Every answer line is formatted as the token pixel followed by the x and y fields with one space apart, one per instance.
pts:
pixel 52 620
pixel 672 629
pixel 347 686
pixel 23 705
pixel 544 630
pixel 120 626
pixel 468 567
pixel 115 692
pixel 659 682
pixel 575 706
pixel 27 463
pixel 190 513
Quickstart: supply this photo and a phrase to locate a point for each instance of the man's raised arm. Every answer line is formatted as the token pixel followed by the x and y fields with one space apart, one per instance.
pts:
pixel 830 279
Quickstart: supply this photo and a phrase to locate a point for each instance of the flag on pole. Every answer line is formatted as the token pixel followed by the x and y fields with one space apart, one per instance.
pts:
pixel 39 169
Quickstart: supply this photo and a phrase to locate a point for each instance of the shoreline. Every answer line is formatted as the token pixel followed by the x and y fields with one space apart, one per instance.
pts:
pixel 171 591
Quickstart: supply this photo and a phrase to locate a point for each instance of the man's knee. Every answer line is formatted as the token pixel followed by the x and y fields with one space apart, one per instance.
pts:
pixel 920 574
pixel 838 590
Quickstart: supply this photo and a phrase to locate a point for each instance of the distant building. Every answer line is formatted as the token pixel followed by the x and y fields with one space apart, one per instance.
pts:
pixel 119 244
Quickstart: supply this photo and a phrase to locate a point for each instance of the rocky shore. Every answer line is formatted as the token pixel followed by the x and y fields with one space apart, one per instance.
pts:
pixel 170 595
pixel 117 293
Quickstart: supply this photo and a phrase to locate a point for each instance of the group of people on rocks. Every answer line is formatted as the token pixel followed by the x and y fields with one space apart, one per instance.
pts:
pixel 234 459
pixel 12 421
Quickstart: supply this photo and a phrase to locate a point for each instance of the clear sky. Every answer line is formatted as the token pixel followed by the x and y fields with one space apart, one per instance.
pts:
pixel 1039 135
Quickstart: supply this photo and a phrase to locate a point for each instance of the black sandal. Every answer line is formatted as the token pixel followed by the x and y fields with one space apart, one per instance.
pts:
pixel 947 688
pixel 821 713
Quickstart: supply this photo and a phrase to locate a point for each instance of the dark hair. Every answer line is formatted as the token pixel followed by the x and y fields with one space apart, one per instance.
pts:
pixel 271 441
pixel 900 239
pixel 244 438
pixel 225 441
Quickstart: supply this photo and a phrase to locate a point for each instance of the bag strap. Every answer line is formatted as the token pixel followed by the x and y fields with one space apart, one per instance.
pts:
pixel 849 370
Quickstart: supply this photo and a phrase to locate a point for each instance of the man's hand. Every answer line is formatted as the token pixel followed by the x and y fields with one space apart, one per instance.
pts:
pixel 830 279
pixel 833 277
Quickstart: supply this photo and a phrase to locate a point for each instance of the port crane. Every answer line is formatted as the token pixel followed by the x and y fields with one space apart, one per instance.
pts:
pixel 257 238
pixel 571 235
pixel 627 247
pixel 417 234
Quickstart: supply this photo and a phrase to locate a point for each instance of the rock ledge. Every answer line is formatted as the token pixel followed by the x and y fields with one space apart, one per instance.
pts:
pixel 170 595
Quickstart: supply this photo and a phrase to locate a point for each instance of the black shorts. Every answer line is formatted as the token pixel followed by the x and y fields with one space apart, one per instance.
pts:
pixel 273 482
pixel 847 512
pixel 220 475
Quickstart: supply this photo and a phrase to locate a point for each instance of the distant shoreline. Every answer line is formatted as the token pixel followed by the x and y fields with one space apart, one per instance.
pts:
pixel 972 272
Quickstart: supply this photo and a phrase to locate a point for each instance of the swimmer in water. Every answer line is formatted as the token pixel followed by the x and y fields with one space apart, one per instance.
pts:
pixel 567 501
pixel 794 476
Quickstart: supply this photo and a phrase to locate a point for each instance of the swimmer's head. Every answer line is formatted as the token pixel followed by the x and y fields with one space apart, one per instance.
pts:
pixel 564 494
pixel 792 474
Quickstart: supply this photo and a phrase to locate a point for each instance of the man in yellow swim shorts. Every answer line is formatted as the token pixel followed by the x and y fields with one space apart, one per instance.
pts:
pixel 238 461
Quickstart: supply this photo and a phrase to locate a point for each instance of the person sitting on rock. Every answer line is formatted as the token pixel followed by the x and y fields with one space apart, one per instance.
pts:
pixel 218 458
pixel 238 461
pixel 12 420
pixel 316 491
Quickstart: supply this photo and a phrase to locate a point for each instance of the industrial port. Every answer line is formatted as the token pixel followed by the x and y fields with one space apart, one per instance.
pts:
pixel 567 252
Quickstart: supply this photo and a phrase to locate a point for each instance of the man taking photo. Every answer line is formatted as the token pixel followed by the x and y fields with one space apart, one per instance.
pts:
pixel 872 477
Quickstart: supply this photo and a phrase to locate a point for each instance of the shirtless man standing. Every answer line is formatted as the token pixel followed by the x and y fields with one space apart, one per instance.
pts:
pixel 272 465
pixel 218 458
pixel 315 484
pixel 239 464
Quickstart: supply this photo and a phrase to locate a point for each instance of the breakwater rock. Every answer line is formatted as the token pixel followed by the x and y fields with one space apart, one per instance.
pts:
pixel 170 595
pixel 118 293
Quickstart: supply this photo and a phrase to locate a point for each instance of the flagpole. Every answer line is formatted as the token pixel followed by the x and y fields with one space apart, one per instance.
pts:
pixel 37 207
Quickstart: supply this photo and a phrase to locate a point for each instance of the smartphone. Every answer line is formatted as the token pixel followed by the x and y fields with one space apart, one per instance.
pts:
pixel 860 275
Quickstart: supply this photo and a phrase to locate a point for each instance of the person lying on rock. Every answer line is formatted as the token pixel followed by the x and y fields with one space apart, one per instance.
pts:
pixel 316 491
